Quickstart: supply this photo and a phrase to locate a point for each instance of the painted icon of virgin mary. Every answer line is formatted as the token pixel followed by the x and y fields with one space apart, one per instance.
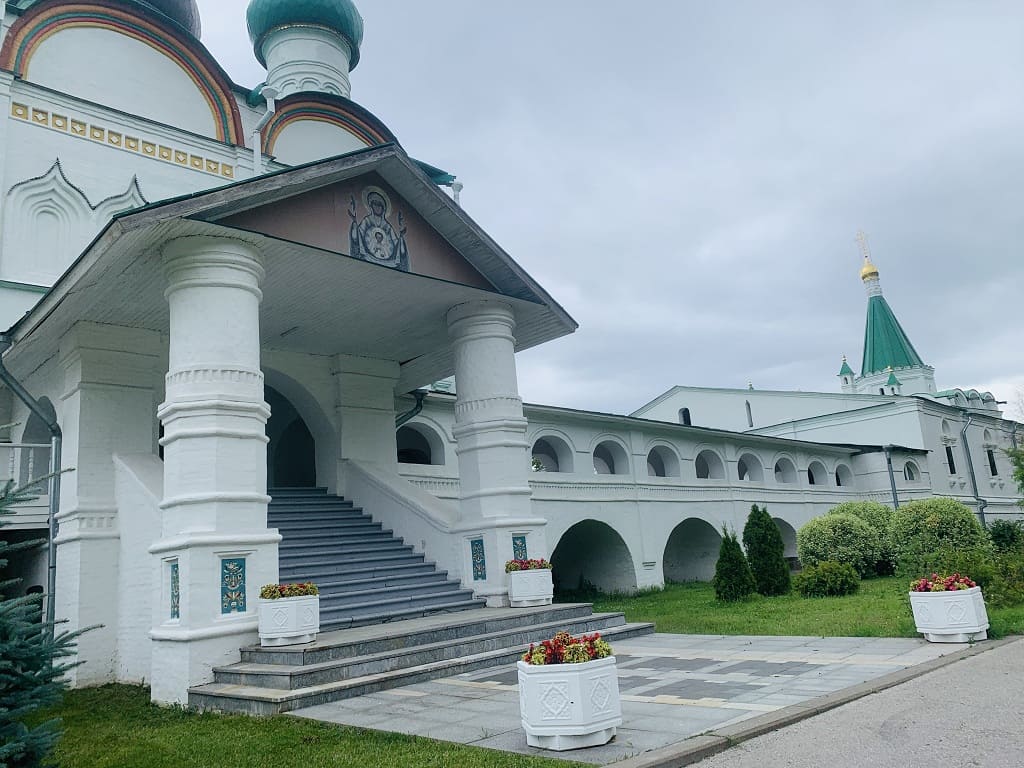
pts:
pixel 374 239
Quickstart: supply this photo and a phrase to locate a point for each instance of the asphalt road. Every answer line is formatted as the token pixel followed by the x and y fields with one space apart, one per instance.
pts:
pixel 970 713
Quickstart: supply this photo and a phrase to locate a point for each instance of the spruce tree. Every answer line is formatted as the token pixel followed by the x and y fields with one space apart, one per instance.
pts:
pixel 733 580
pixel 30 675
pixel 766 553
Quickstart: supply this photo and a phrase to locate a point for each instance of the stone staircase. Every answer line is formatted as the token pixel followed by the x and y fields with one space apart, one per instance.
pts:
pixel 361 660
pixel 366 574
pixel 388 617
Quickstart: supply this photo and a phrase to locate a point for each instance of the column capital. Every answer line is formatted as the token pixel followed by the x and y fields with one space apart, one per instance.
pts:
pixel 212 262
pixel 467 318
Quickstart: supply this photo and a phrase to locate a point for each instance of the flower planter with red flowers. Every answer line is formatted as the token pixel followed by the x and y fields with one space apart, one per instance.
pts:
pixel 569 693
pixel 529 583
pixel 949 609
pixel 289 614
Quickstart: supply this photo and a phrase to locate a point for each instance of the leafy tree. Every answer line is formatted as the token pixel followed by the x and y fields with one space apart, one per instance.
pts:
pixel 30 675
pixel 733 579
pixel 1016 456
pixel 766 553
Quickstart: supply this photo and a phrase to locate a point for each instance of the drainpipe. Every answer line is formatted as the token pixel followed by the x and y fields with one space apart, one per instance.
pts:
pixel 892 477
pixel 270 94
pixel 56 438
pixel 419 394
pixel 970 467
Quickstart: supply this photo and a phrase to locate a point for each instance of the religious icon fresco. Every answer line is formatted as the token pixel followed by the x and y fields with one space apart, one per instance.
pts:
pixel 373 238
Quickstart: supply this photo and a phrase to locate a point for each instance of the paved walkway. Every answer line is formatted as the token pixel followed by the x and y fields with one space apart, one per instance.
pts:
pixel 673 687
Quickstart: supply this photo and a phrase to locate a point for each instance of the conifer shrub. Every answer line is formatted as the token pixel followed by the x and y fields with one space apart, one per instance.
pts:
pixel 827 579
pixel 31 677
pixel 766 553
pixel 1007 536
pixel 879 519
pixel 922 529
pixel 733 579
pixel 839 538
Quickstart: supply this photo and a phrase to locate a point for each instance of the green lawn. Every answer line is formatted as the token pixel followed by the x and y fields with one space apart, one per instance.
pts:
pixel 116 726
pixel 880 609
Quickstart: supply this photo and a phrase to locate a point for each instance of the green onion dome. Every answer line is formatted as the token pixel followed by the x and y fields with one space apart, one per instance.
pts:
pixel 340 16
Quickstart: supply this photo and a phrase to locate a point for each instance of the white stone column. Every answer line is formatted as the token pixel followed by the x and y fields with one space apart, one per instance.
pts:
pixel 215 550
pixel 490 433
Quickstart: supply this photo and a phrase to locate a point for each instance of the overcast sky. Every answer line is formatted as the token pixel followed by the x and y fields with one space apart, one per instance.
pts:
pixel 687 178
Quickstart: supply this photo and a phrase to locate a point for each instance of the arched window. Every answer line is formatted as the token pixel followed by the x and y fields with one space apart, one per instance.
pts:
pixel 785 471
pixel 844 476
pixel 709 466
pixel 610 459
pixel 552 454
pixel 817 474
pixel 750 416
pixel 419 444
pixel 684 417
pixel 911 473
pixel 749 467
pixel 662 462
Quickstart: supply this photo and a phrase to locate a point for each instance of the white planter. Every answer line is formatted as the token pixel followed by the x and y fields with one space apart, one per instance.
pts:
pixel 950 617
pixel 533 587
pixel 569 706
pixel 289 620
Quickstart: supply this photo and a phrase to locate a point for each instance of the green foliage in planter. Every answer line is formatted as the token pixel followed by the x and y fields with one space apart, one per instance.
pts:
pixel 922 528
pixel 827 579
pixel 733 579
pixel 277 591
pixel 839 538
pixel 1007 535
pixel 766 553
pixel 879 519
pixel 31 674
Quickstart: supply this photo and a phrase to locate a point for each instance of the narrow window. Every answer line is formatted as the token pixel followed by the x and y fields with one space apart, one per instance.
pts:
pixel 684 417
pixel 881 390
pixel 949 460
pixel 750 415
pixel 992 468
pixel 909 473
pixel 810 477
pixel 839 480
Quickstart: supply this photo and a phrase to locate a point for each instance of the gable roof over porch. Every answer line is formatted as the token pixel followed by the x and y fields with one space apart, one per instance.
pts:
pixel 316 300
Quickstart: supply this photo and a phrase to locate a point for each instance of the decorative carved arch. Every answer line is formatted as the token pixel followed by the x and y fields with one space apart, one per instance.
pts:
pixel 326 108
pixel 45 19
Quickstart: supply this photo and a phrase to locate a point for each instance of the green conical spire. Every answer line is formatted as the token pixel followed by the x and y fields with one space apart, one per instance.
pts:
pixel 886 344
pixel 846 370
pixel 893 381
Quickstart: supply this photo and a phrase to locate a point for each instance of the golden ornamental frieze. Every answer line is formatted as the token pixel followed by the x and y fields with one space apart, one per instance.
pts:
pixel 120 140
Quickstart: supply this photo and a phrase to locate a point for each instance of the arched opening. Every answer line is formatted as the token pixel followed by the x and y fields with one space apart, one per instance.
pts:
pixel 817 474
pixel 592 555
pixel 610 459
pixel 788 540
pixel 785 471
pixel 947 430
pixel 844 476
pixel 691 551
pixel 662 462
pixel 684 417
pixel 911 473
pixel 552 454
pixel 35 462
pixel 291 452
pixel 709 466
pixel 749 468
pixel 419 444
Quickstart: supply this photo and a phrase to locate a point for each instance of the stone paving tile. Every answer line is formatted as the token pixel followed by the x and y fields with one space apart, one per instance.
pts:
pixel 673 687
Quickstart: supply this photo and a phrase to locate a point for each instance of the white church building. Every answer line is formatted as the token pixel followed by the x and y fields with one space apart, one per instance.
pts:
pixel 227 301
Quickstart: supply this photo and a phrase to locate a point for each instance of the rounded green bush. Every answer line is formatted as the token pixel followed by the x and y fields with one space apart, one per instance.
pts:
pixel 924 527
pixel 827 579
pixel 879 519
pixel 840 538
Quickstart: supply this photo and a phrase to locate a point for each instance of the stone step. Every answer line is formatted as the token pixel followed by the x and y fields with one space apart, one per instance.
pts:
pixel 275 493
pixel 398 581
pixel 384 591
pixel 298 504
pixel 311 515
pixel 390 614
pixel 310 553
pixel 407 634
pixel 342 609
pixel 348 538
pixel 338 572
pixel 311 532
pixel 258 700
